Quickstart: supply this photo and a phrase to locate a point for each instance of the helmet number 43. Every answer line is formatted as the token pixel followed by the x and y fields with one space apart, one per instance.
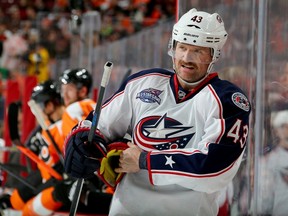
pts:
pixel 197 19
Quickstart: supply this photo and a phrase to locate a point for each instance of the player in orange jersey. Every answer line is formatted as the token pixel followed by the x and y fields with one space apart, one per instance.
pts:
pixel 75 88
pixel 48 98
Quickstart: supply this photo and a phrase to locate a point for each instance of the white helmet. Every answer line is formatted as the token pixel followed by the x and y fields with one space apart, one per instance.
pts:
pixel 200 29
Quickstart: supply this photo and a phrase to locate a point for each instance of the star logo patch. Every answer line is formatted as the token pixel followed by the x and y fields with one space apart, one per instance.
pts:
pixel 169 161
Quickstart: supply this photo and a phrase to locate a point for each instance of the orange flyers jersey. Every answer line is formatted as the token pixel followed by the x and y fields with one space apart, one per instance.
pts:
pixel 74 113
pixel 48 152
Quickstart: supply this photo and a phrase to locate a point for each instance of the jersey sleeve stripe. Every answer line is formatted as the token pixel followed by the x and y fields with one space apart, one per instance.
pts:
pixel 220 113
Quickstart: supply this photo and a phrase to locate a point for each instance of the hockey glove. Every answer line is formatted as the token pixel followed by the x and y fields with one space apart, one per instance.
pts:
pixel 82 159
pixel 110 162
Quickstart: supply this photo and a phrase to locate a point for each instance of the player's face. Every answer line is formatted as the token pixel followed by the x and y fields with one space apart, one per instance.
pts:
pixel 69 93
pixel 191 62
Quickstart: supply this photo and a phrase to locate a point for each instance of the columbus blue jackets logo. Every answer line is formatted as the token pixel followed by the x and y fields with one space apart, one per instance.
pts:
pixel 241 101
pixel 149 95
pixel 162 133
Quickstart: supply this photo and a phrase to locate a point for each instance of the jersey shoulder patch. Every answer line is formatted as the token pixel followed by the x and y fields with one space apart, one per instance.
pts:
pixel 241 101
pixel 226 89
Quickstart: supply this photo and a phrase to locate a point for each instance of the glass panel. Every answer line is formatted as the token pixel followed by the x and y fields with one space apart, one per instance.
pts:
pixel 271 194
pixel 255 58
pixel 144 49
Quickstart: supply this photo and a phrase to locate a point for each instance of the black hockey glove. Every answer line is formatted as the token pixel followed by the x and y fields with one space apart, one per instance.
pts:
pixel 82 159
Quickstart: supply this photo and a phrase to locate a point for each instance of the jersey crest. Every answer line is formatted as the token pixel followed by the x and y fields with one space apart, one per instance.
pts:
pixel 150 95
pixel 44 152
pixel 162 133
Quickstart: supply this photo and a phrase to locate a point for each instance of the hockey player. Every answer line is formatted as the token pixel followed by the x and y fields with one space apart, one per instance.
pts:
pixel 48 97
pixel 75 88
pixel 189 130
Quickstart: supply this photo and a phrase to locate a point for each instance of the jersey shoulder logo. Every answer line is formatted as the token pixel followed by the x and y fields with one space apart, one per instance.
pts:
pixel 162 133
pixel 149 95
pixel 241 101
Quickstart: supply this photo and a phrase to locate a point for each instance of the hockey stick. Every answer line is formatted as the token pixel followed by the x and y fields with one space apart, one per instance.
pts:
pixel 4 148
pixel 105 78
pixel 12 115
pixel 19 178
pixel 13 112
pixel 8 149
pixel 38 114
pixel 40 162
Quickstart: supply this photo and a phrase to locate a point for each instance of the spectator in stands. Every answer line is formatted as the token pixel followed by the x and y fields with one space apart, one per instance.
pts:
pixel 14 48
pixel 37 59
pixel 273 194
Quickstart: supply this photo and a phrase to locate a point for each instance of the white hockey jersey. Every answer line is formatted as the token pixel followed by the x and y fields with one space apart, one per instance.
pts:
pixel 195 142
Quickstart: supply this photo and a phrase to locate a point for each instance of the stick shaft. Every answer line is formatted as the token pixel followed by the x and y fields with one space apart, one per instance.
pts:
pixel 96 115
pixel 18 177
pixel 105 78
pixel 38 114
pixel 40 162
pixel 8 149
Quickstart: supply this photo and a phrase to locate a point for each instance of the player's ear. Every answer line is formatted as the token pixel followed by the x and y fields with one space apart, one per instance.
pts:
pixel 49 107
pixel 83 92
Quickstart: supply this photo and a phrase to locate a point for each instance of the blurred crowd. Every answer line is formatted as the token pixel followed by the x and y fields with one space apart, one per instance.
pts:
pixel 33 33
